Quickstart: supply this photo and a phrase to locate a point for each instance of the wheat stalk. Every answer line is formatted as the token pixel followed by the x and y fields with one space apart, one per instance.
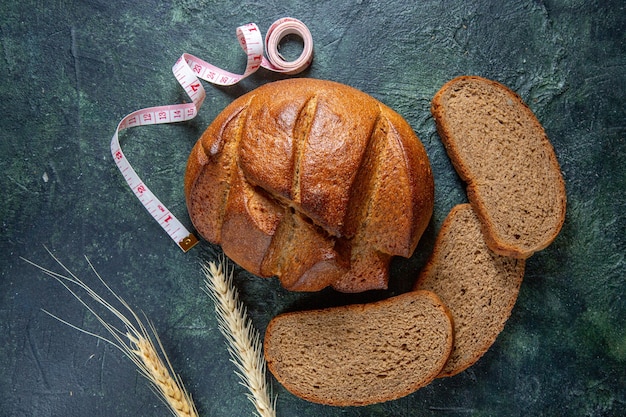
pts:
pixel 244 343
pixel 135 341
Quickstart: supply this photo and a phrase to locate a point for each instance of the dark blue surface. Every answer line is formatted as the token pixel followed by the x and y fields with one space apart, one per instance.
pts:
pixel 72 70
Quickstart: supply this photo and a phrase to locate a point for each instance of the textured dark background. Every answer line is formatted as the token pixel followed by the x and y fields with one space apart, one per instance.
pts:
pixel 72 69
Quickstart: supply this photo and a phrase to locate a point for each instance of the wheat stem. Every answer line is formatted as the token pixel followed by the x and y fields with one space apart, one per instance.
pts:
pixel 135 340
pixel 244 343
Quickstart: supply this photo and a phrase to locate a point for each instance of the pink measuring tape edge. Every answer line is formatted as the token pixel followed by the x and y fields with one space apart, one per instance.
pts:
pixel 188 70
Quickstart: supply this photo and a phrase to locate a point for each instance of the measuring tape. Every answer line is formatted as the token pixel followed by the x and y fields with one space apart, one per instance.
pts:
pixel 188 70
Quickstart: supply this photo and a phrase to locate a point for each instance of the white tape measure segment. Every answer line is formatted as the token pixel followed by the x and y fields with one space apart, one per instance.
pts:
pixel 187 70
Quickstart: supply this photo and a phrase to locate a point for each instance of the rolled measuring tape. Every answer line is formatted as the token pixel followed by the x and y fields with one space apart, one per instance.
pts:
pixel 188 70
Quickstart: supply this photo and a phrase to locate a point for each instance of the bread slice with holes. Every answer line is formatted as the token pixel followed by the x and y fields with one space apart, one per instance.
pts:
pixel 501 151
pixel 478 286
pixel 363 353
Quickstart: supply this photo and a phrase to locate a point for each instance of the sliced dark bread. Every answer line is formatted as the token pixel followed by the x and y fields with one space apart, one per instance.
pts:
pixel 501 151
pixel 478 286
pixel 363 353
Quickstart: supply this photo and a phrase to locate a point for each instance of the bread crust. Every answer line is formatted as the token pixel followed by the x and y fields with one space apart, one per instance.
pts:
pixel 504 166
pixel 315 152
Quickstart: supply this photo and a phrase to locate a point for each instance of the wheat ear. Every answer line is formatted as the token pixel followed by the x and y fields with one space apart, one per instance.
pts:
pixel 244 343
pixel 135 340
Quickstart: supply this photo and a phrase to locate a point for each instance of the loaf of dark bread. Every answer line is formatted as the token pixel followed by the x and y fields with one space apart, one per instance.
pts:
pixel 360 354
pixel 478 286
pixel 501 151
pixel 311 181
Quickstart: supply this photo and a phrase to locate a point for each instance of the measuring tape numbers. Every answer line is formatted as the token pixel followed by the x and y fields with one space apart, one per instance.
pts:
pixel 188 70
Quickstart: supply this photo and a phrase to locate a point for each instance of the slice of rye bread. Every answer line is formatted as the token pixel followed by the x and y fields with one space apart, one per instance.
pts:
pixel 363 353
pixel 478 286
pixel 501 151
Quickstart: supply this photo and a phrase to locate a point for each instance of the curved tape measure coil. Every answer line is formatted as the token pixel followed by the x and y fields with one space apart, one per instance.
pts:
pixel 188 69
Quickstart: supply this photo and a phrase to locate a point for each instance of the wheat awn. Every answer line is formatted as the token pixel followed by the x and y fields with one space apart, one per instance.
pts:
pixel 135 340
pixel 244 343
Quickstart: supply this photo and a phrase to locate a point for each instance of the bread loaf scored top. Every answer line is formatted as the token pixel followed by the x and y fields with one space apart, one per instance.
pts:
pixel 311 181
